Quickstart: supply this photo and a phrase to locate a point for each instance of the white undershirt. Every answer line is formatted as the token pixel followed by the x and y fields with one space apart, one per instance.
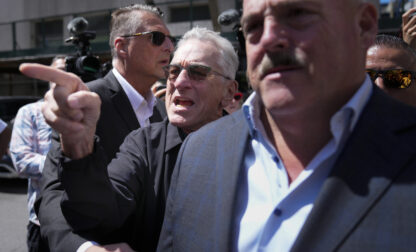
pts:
pixel 141 106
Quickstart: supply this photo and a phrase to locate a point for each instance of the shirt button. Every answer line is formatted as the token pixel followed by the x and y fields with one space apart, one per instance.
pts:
pixel 277 212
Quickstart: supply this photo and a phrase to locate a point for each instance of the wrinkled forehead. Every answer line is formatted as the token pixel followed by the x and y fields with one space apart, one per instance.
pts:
pixel 256 7
pixel 196 51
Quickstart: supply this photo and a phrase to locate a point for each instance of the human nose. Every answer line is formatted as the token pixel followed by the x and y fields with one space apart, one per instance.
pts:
pixel 379 82
pixel 168 45
pixel 275 34
pixel 183 80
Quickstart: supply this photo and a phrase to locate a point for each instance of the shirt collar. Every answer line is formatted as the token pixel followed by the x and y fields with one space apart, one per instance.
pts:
pixel 174 136
pixel 135 97
pixel 356 104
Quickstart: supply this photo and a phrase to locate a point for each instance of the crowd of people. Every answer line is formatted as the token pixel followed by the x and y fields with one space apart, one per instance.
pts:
pixel 320 157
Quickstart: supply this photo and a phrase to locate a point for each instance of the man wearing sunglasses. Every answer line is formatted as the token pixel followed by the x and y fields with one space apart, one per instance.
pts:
pixel 128 198
pixel 318 158
pixel 391 65
pixel 140 46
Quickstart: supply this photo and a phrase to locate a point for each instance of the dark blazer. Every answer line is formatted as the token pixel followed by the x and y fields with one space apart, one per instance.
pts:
pixel 132 205
pixel 117 120
pixel 367 203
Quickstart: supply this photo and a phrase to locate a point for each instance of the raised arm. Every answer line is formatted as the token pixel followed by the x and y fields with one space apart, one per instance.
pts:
pixel 69 108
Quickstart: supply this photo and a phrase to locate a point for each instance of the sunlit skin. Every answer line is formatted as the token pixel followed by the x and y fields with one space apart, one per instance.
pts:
pixel 189 103
pixel 302 97
pixel 385 58
pixel 142 62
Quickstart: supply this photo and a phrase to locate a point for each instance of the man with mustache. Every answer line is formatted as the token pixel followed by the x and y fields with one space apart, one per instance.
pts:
pixel 141 46
pixel 318 159
pixel 129 196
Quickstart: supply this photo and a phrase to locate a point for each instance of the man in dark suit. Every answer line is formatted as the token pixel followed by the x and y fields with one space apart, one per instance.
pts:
pixel 318 159
pixel 127 200
pixel 141 48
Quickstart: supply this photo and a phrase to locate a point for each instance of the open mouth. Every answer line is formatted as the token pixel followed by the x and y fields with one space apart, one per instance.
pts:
pixel 182 102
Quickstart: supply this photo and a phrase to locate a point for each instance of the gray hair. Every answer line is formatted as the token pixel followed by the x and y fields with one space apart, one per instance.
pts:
pixel 126 20
pixel 229 58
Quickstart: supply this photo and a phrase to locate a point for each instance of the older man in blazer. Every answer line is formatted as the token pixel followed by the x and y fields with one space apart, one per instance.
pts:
pixel 139 54
pixel 128 197
pixel 318 159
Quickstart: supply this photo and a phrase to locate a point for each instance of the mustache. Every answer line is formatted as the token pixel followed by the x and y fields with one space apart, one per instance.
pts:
pixel 279 59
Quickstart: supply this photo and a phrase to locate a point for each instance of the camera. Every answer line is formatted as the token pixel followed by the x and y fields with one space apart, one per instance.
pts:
pixel 84 63
pixel 232 17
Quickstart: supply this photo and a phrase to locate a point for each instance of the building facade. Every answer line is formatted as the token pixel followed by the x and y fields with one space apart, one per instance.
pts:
pixel 36 30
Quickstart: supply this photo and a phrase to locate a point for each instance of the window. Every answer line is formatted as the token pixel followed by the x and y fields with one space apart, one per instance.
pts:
pixel 183 14
pixel 48 33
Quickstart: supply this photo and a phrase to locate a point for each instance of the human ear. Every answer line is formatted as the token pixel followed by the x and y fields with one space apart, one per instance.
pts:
pixel 368 24
pixel 120 45
pixel 230 90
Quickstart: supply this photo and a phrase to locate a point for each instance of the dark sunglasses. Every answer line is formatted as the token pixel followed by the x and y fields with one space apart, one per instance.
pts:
pixel 157 37
pixel 195 72
pixel 393 78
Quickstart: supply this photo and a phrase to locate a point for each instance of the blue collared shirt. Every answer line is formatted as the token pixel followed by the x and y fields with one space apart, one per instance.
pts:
pixel 273 210
pixel 30 142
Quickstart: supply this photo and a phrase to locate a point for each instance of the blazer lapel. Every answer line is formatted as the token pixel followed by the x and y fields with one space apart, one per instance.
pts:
pixel 122 103
pixel 228 172
pixel 374 155
pixel 159 111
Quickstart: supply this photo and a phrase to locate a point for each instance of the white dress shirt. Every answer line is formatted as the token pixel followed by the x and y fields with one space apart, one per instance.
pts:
pixel 143 107
pixel 272 210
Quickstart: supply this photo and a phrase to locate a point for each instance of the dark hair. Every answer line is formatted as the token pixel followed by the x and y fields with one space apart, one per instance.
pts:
pixel 127 19
pixel 384 40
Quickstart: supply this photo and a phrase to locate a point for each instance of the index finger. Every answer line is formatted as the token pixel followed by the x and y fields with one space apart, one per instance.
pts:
pixel 51 74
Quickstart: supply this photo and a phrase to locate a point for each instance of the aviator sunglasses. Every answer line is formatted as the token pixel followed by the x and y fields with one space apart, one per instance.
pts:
pixel 393 78
pixel 195 72
pixel 157 37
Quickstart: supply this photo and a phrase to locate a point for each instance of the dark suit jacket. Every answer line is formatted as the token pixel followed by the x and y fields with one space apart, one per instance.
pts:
pixel 129 202
pixel 117 120
pixel 367 203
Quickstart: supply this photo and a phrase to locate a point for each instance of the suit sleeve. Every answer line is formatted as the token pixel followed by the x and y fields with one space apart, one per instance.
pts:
pixel 99 201
pixel 54 228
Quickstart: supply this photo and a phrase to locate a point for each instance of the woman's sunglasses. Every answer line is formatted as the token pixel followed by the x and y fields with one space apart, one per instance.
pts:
pixel 393 78
pixel 157 37
pixel 195 72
